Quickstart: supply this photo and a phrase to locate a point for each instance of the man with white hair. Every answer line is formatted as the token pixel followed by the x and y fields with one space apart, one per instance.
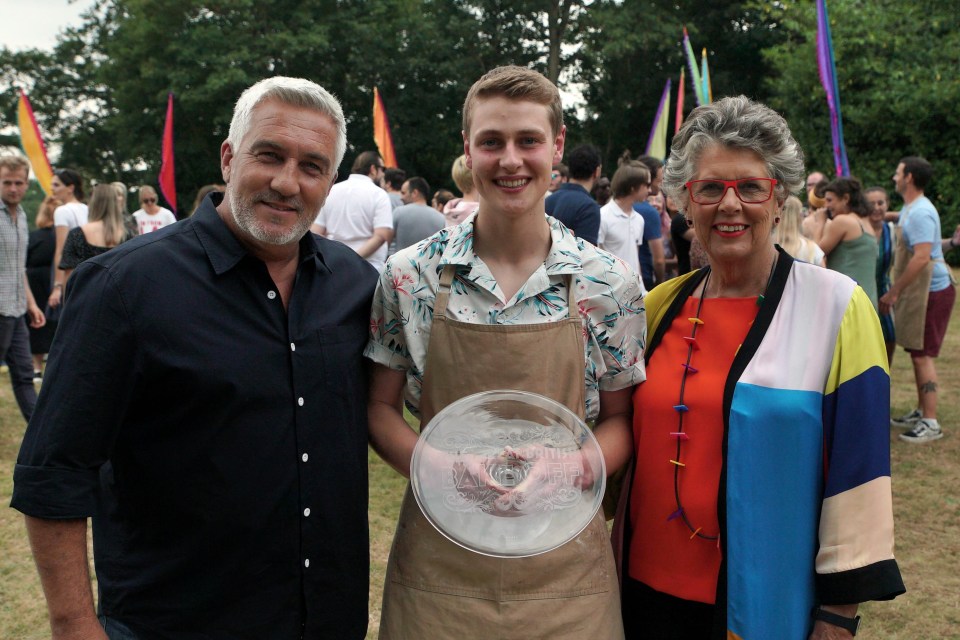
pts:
pixel 205 405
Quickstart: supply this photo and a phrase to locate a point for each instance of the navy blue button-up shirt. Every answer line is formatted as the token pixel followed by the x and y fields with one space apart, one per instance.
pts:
pixel 218 440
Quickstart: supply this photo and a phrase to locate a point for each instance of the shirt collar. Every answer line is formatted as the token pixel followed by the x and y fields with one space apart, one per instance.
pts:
pixel 564 255
pixel 222 247
pixel 573 186
pixel 360 176
pixel 6 209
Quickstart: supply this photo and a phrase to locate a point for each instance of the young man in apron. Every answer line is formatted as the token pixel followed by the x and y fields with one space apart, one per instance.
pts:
pixel 508 299
pixel 922 294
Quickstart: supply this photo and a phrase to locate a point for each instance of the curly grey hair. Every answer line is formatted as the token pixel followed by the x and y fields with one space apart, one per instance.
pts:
pixel 293 91
pixel 738 123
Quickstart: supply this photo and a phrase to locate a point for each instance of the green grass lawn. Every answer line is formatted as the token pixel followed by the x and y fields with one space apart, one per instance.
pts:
pixel 926 479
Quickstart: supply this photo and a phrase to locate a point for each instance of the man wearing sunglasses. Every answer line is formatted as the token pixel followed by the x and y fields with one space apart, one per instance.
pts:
pixel 151 216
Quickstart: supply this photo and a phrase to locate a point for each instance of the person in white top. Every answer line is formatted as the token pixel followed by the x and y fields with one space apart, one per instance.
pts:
pixel 358 213
pixel 66 186
pixel 621 228
pixel 151 216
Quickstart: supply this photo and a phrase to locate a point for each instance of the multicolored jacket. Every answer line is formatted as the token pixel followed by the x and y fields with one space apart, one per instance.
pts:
pixel 805 504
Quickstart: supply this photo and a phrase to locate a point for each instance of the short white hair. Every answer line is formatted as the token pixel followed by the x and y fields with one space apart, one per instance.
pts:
pixel 298 92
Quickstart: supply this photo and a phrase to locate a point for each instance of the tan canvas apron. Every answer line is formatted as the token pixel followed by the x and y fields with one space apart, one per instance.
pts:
pixel 910 311
pixel 435 589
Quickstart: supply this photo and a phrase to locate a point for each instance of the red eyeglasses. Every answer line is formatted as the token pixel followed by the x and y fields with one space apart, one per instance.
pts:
pixel 749 190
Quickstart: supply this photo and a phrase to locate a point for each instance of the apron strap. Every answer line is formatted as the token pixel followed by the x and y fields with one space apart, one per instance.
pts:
pixel 443 292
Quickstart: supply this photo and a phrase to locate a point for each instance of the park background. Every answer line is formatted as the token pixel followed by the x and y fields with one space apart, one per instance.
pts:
pixel 100 93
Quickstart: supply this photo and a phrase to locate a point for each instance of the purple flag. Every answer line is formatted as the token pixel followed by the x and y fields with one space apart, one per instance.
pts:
pixel 828 78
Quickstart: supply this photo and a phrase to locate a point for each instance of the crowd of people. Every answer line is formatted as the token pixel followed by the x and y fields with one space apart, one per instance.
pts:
pixel 728 344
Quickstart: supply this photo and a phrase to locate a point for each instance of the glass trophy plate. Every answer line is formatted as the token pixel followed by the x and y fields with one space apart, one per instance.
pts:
pixel 508 473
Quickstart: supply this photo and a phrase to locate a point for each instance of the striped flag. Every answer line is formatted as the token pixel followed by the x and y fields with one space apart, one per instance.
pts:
pixel 32 143
pixel 705 77
pixel 381 131
pixel 678 120
pixel 168 183
pixel 694 70
pixel 657 142
pixel 828 78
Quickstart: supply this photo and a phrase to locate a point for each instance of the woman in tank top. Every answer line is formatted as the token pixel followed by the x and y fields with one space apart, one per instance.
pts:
pixel 846 236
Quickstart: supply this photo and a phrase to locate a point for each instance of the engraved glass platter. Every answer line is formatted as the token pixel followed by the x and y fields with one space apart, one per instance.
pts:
pixel 508 473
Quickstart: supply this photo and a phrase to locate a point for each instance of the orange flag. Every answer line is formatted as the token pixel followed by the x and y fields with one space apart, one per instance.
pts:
pixel 32 143
pixel 381 131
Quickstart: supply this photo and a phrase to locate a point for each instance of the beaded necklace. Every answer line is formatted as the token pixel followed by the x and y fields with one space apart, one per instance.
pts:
pixel 682 409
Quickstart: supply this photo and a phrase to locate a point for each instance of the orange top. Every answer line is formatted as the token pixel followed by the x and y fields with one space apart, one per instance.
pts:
pixel 662 553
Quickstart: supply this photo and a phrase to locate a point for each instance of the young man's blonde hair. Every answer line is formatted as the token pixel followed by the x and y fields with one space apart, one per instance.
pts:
pixel 14 163
pixel 516 83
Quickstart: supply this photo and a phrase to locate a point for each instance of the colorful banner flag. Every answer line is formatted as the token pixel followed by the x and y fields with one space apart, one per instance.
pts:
pixel 694 69
pixel 168 183
pixel 678 119
pixel 32 143
pixel 705 78
pixel 381 131
pixel 828 78
pixel 657 142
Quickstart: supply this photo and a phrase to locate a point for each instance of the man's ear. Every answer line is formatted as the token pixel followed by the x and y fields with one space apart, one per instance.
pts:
pixel 558 144
pixel 466 149
pixel 226 158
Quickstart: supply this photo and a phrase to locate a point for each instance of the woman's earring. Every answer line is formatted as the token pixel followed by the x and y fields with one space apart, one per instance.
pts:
pixel 776 220
pixel 689 222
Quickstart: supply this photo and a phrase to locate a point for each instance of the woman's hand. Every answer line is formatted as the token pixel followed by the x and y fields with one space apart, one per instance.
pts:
pixel 55 296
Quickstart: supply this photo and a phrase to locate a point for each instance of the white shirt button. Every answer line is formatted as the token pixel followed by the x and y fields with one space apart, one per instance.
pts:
pixel 271 294
pixel 306 512
pixel 300 401
pixel 293 347
pixel 306 562
pixel 304 457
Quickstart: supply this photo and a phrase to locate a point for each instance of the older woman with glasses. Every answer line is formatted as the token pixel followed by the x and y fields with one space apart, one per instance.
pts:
pixel 760 506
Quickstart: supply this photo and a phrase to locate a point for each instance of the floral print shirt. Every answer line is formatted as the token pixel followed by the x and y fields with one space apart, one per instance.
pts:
pixel 609 294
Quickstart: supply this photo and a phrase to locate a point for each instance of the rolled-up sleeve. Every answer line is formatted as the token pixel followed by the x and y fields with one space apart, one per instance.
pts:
pixel 90 378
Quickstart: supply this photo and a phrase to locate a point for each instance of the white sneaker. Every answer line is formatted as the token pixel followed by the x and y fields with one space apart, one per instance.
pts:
pixel 906 421
pixel 927 430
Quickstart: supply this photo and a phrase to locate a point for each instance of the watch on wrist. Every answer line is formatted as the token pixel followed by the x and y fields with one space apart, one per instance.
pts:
pixel 850 624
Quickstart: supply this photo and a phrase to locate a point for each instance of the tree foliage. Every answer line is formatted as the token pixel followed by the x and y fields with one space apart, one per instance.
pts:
pixel 100 95
pixel 897 73
pixel 633 47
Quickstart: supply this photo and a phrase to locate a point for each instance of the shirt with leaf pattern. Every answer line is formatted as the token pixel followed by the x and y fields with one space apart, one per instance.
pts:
pixel 608 293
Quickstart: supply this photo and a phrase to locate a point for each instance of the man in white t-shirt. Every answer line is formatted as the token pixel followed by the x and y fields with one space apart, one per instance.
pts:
pixel 151 216
pixel 358 213
pixel 621 228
